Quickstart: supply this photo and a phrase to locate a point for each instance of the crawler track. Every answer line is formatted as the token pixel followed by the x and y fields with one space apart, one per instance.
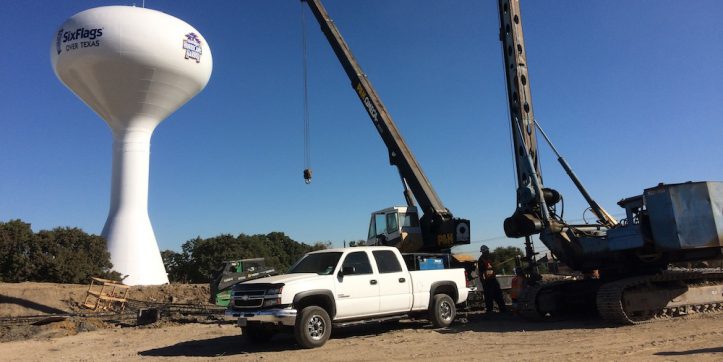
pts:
pixel 646 299
pixel 634 300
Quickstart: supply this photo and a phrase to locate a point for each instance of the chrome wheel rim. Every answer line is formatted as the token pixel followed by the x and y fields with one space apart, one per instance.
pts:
pixel 445 310
pixel 316 327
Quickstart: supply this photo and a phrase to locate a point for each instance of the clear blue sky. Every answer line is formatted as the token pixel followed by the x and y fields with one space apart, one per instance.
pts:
pixel 630 91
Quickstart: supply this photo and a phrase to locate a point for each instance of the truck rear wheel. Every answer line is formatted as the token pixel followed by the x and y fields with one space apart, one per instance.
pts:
pixel 313 327
pixel 442 311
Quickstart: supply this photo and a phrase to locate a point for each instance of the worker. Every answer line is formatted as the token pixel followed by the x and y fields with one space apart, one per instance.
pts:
pixel 490 285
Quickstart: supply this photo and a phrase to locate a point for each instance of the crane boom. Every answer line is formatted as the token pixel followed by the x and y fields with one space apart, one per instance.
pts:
pixel 439 228
pixel 399 153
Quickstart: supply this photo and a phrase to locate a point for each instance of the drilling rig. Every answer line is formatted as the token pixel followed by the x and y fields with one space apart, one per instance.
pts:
pixel 667 223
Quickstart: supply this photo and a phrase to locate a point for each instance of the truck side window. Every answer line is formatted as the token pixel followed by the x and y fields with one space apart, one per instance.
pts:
pixel 387 261
pixel 360 261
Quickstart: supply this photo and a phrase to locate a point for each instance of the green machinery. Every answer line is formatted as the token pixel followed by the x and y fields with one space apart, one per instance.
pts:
pixel 233 272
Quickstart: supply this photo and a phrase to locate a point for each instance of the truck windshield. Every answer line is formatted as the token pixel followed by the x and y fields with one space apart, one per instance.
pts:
pixel 319 263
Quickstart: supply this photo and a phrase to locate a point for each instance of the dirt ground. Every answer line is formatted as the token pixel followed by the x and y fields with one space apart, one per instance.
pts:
pixel 483 337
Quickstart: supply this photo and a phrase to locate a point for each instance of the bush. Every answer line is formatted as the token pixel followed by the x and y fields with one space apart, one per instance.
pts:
pixel 200 257
pixel 503 259
pixel 61 255
pixel 69 255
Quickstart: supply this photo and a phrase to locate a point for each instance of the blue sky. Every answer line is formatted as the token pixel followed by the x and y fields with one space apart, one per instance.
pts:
pixel 630 92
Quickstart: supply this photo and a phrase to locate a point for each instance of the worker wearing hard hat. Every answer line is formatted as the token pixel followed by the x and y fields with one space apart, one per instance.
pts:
pixel 490 285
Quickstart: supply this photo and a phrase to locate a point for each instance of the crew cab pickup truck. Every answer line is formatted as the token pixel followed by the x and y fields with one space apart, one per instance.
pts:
pixel 340 287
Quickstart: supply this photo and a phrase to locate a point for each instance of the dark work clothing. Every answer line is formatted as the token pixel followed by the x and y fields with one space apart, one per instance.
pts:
pixel 493 292
pixel 490 286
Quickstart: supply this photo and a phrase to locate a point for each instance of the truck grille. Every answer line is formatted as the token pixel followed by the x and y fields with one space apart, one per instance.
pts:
pixel 249 293
pixel 248 298
pixel 248 303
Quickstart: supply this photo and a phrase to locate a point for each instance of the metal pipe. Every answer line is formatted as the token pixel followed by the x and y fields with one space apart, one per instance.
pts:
pixel 604 217
pixel 535 181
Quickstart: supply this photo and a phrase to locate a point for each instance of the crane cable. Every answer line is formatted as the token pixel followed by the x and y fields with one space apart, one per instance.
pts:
pixel 307 145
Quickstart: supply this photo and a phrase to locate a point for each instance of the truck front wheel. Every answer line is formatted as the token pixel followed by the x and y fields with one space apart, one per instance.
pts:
pixel 442 311
pixel 313 327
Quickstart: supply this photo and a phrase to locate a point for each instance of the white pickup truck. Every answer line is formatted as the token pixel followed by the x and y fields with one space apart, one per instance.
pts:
pixel 341 287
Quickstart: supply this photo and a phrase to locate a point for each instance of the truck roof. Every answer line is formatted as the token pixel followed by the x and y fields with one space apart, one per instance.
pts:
pixel 359 248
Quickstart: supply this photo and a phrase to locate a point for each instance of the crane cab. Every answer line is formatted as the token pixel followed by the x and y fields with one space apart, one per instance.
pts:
pixel 396 226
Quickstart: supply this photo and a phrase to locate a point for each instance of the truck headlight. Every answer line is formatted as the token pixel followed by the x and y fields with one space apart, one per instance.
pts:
pixel 274 291
pixel 270 302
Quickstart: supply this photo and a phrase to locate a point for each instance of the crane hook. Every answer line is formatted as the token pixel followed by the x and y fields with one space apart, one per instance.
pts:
pixel 307 175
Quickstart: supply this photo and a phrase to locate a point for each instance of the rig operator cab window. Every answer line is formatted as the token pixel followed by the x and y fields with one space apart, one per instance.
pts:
pixel 393 225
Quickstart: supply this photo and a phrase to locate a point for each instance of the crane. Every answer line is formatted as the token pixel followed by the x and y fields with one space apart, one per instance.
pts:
pixel 437 229
pixel 667 223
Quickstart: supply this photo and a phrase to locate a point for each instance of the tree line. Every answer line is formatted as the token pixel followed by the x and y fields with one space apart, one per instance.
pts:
pixel 201 257
pixel 70 255
pixel 60 255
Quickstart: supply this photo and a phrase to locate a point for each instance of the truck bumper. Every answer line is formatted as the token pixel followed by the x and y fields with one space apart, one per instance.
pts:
pixel 284 317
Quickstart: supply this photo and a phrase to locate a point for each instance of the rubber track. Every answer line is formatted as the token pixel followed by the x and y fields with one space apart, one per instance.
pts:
pixel 610 295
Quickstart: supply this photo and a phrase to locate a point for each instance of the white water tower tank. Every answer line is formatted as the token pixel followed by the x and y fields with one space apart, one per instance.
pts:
pixel 134 67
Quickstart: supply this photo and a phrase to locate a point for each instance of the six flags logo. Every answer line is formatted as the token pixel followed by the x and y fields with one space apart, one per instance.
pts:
pixel 76 35
pixel 192 46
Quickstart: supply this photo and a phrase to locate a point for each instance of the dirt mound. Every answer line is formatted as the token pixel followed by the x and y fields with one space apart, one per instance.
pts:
pixel 172 293
pixel 25 300
pixel 29 299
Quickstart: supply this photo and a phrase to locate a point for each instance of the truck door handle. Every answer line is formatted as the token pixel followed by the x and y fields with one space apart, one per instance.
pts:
pixel 402 280
pixel 373 282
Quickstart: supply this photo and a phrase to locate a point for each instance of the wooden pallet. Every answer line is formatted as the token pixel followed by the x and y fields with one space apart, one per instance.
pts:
pixel 104 294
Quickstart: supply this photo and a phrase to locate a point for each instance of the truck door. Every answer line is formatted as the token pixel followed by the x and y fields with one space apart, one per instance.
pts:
pixel 395 288
pixel 357 287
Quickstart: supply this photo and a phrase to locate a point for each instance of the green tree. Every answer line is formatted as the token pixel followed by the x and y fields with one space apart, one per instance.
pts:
pixel 503 258
pixel 354 243
pixel 177 265
pixel 200 257
pixel 207 254
pixel 69 255
pixel 61 255
pixel 16 251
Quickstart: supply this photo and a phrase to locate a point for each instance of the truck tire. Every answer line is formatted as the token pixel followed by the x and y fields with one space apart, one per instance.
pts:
pixel 442 311
pixel 313 327
pixel 257 335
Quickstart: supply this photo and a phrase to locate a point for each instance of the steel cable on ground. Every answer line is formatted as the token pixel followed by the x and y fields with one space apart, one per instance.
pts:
pixel 133 306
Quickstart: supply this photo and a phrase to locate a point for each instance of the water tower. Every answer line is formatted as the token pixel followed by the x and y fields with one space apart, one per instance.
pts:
pixel 133 67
